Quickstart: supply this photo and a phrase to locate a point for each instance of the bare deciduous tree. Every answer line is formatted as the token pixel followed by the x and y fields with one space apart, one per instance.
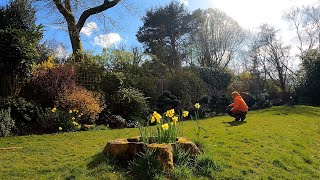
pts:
pixel 216 38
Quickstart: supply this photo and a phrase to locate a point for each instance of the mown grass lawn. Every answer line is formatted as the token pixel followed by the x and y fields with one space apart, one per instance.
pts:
pixel 276 143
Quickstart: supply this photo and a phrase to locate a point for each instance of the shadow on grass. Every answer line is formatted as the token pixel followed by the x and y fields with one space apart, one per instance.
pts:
pixel 235 123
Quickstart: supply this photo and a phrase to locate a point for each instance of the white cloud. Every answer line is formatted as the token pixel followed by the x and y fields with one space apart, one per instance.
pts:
pixel 89 28
pixel 61 53
pixel 185 2
pixel 107 40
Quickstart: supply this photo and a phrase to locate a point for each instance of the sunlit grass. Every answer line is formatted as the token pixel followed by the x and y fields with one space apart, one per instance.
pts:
pixel 281 142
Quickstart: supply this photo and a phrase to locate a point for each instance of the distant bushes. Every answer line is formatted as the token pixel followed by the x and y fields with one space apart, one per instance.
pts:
pixel 6 122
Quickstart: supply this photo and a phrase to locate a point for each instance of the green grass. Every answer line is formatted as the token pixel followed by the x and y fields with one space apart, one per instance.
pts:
pixel 281 142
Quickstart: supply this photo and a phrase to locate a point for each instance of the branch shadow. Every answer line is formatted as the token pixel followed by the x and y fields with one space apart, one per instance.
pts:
pixel 235 123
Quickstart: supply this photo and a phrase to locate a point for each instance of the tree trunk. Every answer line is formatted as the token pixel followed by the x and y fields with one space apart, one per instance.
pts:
pixel 74 35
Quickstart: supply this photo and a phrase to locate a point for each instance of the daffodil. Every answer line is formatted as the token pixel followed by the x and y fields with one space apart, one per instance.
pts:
pixel 60 128
pixel 185 113
pixel 165 126
pixel 54 109
pixel 197 106
pixel 170 113
pixel 73 118
pixel 70 111
pixel 79 116
pixel 75 123
pixel 157 116
pixel 175 120
pixel 152 119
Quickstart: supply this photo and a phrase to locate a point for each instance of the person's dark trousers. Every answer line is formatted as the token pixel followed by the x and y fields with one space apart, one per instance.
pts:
pixel 239 115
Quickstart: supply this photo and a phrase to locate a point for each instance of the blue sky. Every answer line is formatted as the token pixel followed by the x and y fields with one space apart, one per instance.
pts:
pixel 117 27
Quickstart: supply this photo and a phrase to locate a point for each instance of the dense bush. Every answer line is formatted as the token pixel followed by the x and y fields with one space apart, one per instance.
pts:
pixel 308 87
pixel 24 113
pixel 114 121
pixel 261 101
pixel 78 98
pixel 57 120
pixel 187 86
pixel 167 101
pixel 49 84
pixel 6 122
pixel 129 102
pixel 19 42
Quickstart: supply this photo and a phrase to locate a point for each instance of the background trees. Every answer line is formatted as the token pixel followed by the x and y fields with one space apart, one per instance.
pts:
pixel 19 45
pixel 164 32
pixel 215 38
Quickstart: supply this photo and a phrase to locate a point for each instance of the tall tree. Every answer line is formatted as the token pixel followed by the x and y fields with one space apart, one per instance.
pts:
pixel 67 8
pixel 19 45
pixel 305 21
pixel 272 56
pixel 163 32
pixel 215 38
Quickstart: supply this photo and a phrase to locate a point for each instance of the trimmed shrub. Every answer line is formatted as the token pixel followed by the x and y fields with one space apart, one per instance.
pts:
pixel 78 98
pixel 187 86
pixel 6 122
pixel 167 101
pixel 129 102
pixel 114 121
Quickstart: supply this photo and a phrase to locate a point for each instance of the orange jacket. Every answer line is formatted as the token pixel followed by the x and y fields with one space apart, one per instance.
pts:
pixel 239 105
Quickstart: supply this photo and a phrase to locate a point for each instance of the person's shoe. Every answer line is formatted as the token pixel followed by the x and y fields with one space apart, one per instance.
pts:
pixel 237 119
pixel 243 118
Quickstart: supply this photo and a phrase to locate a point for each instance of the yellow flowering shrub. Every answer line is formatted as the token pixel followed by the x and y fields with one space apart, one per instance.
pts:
pixel 79 99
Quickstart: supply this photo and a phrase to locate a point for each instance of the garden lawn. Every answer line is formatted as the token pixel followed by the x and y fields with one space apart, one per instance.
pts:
pixel 280 142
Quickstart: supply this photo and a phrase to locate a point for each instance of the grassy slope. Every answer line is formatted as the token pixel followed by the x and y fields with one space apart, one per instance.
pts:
pixel 281 142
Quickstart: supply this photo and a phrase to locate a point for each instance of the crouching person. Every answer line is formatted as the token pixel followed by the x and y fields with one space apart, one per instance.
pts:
pixel 239 107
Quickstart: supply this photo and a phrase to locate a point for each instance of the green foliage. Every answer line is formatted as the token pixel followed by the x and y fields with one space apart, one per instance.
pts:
pixel 261 102
pixel 310 84
pixel 187 86
pixel 146 166
pixel 167 101
pixel 19 42
pixel 129 101
pixel 24 113
pixel 6 122
pixel 163 28
pixel 205 166
pixel 216 78
pixel 50 122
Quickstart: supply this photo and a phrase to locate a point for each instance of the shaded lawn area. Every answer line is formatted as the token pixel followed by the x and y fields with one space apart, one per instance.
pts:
pixel 280 142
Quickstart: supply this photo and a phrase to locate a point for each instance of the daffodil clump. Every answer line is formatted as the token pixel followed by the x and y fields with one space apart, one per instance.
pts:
pixel 166 130
pixel 73 116
pixel 197 107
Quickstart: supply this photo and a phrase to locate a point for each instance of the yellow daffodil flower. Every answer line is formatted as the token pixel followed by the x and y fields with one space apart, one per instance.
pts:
pixel 170 113
pixel 152 119
pixel 75 123
pixel 175 120
pixel 157 116
pixel 197 106
pixel 73 118
pixel 185 113
pixel 70 111
pixel 60 128
pixel 165 126
pixel 54 109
